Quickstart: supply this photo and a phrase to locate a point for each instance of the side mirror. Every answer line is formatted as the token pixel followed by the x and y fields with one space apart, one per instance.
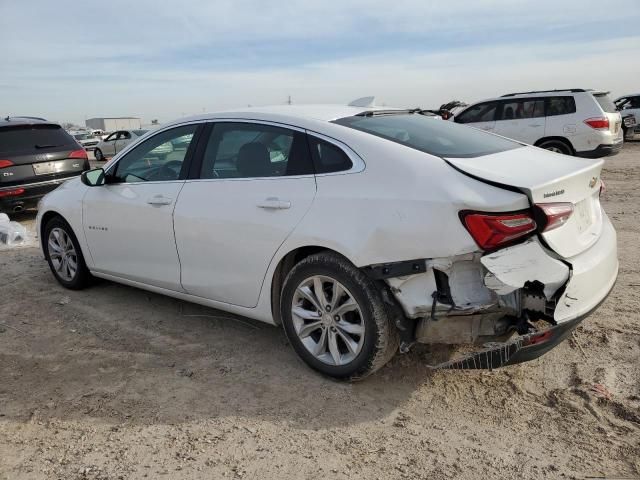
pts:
pixel 93 178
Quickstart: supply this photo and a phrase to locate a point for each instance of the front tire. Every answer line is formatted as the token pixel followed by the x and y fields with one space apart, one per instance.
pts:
pixel 64 256
pixel 97 153
pixel 556 146
pixel 335 318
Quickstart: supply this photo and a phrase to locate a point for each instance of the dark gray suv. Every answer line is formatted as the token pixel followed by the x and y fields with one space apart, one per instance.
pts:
pixel 35 157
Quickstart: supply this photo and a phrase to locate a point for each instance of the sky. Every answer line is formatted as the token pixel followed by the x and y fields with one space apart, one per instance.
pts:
pixel 71 60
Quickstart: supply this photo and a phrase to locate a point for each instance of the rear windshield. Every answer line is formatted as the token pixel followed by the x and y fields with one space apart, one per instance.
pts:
pixel 436 137
pixel 33 138
pixel 605 102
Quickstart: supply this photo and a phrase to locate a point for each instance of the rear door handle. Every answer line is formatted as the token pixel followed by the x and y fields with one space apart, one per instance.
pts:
pixel 273 203
pixel 159 200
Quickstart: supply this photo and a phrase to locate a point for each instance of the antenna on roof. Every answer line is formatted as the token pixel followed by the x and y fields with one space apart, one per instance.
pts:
pixel 364 102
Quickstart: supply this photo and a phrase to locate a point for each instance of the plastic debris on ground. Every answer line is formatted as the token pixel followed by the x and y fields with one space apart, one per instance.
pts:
pixel 12 234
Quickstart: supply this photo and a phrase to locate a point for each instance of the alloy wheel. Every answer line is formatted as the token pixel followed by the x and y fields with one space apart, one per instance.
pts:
pixel 328 320
pixel 63 254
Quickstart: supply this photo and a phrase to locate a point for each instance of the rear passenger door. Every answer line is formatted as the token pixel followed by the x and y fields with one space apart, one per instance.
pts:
pixel 522 119
pixel 252 185
pixel 482 116
pixel 560 121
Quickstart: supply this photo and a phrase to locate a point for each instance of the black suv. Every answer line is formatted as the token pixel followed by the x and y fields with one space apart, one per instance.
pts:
pixel 35 157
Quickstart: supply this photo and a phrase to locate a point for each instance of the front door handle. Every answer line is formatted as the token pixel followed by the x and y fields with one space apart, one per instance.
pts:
pixel 273 203
pixel 159 200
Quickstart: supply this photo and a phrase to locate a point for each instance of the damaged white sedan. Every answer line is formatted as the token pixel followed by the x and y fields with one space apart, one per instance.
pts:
pixel 360 230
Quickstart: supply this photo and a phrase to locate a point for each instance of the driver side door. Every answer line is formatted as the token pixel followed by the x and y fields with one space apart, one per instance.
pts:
pixel 128 222
pixel 108 146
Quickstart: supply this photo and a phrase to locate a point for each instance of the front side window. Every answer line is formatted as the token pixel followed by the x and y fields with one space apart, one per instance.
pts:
pixel 521 109
pixel 251 150
pixel 436 137
pixel 156 159
pixel 111 137
pixel 483 112
pixel 560 106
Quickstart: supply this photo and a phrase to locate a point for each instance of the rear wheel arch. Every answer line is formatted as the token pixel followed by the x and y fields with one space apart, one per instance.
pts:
pixel 286 263
pixel 563 140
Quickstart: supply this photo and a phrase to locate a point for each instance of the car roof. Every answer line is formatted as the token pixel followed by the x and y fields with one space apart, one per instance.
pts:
pixel 18 121
pixel 295 114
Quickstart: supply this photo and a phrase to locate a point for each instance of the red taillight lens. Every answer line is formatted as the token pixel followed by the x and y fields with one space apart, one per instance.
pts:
pixel 6 163
pixel 599 123
pixel 491 230
pixel 557 214
pixel 78 154
pixel 11 193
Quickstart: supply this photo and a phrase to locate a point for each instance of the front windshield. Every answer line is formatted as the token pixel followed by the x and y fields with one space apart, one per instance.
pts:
pixel 430 135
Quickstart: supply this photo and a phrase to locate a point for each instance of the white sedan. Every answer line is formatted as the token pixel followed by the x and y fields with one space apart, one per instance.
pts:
pixel 360 230
pixel 116 142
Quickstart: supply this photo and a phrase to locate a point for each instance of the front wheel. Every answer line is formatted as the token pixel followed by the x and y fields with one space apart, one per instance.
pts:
pixel 335 318
pixel 64 255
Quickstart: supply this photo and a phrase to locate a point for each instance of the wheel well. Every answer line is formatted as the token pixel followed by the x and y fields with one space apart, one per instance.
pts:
pixel 563 140
pixel 43 223
pixel 284 267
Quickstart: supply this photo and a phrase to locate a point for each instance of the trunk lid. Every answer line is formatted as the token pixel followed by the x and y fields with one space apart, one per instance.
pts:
pixel 547 177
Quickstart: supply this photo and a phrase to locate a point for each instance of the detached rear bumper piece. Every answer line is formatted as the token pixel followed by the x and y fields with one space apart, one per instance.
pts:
pixel 522 349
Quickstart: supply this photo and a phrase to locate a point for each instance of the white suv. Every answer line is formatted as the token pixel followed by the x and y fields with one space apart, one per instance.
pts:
pixel 577 122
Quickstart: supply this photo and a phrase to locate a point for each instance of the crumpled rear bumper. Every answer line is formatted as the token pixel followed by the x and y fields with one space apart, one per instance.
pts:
pixel 522 349
pixel 593 275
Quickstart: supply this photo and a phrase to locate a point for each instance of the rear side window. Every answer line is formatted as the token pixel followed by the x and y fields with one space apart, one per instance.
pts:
pixel 436 137
pixel 483 112
pixel 328 158
pixel 560 106
pixel 605 103
pixel 27 138
pixel 251 150
pixel 521 109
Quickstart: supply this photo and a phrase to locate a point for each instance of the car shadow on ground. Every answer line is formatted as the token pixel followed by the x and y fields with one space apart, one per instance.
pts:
pixel 120 354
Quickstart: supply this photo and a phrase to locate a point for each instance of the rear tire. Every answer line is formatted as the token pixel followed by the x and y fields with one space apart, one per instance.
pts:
pixel 97 153
pixel 64 256
pixel 346 337
pixel 556 146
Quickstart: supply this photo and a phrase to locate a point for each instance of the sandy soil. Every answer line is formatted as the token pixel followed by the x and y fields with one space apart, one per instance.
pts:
pixel 114 382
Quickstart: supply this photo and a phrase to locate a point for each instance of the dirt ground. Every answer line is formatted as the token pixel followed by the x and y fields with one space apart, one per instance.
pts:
pixel 114 382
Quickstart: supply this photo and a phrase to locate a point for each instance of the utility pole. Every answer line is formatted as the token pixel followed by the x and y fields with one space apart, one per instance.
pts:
pixel 289 100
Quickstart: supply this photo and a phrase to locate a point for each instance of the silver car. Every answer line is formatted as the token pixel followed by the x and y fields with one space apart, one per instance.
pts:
pixel 115 142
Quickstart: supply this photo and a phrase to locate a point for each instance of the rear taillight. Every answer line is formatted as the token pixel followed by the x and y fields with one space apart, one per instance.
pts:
pixel 78 154
pixel 557 214
pixel 599 123
pixel 6 163
pixel 11 193
pixel 492 230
